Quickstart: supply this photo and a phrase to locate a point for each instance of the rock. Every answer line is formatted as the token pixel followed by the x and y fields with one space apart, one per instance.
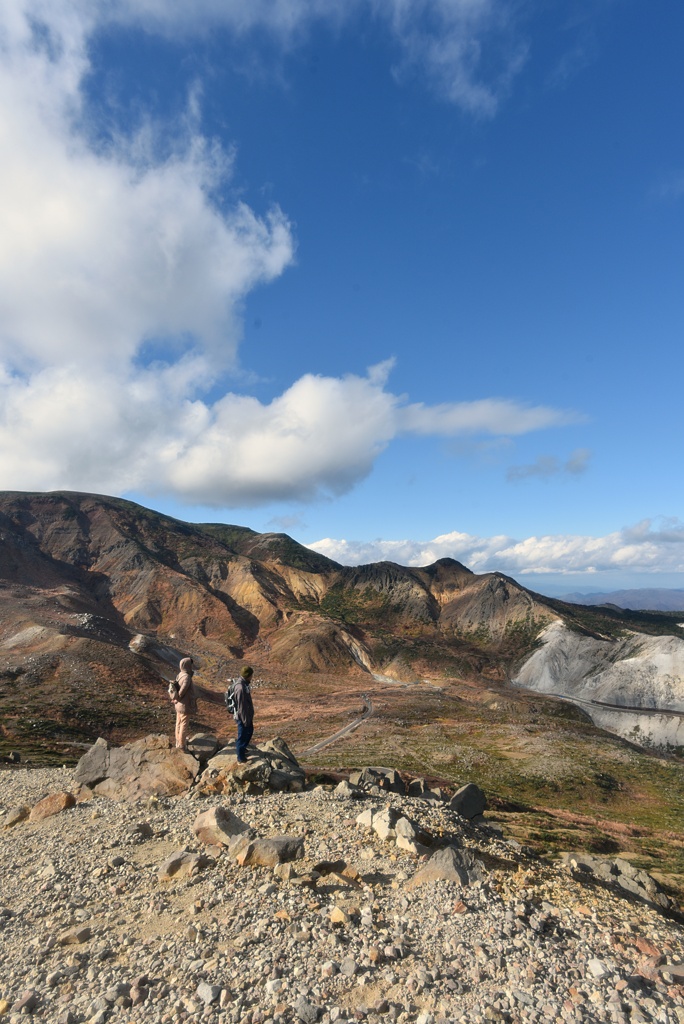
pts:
pixel 412 846
pixel 75 936
pixel 27 1001
pixel 218 826
pixel 596 968
pixel 256 770
pixel 208 993
pixel 384 822
pixel 14 757
pixel 269 852
pixel 349 967
pixel 203 746
pixel 16 815
pixel 387 779
pixel 404 827
pixel 5 1006
pixel 306 1011
pixel 450 864
pixel 181 864
pixel 365 819
pixel 149 766
pixel 345 791
pixel 51 805
pixel 285 871
pixel 122 988
pixel 468 801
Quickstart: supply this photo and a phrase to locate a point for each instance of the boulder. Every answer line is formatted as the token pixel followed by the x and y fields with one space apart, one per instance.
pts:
pixel 218 826
pixel 146 767
pixel 270 766
pixel 469 801
pixel 452 865
pixel 270 852
pixel 50 805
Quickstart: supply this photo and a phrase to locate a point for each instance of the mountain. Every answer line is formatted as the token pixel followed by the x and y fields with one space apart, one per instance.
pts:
pixel 99 597
pixel 660 599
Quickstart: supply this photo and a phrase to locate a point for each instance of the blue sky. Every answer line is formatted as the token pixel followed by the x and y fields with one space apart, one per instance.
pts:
pixel 401 278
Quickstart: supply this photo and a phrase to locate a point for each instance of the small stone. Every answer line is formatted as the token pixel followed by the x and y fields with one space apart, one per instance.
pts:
pixel 339 916
pixel 306 1011
pixel 27 1001
pixel 596 968
pixel 348 967
pixel 208 993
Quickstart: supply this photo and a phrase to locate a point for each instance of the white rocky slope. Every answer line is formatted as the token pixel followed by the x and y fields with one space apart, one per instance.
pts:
pixel 638 679
pixel 93 930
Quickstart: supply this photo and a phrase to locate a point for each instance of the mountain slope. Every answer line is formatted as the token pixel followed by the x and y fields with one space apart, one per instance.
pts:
pixel 98 596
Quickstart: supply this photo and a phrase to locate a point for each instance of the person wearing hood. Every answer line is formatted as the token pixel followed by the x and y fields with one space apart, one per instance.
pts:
pixel 184 701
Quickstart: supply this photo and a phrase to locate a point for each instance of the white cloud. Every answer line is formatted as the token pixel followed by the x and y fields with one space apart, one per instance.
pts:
pixel 647 547
pixel 111 255
pixel 488 415
pixel 103 431
pixel 467 49
pixel 99 251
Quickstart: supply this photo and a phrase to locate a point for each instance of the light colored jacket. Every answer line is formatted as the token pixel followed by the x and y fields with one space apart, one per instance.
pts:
pixel 186 701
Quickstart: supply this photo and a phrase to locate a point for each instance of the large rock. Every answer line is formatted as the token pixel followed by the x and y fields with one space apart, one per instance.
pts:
pixel 468 801
pixel 269 852
pixel 50 805
pixel 218 826
pixel 146 767
pixel 270 766
pixel 452 865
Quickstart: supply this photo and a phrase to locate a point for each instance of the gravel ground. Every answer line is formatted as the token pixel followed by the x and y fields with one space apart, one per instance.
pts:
pixel 88 932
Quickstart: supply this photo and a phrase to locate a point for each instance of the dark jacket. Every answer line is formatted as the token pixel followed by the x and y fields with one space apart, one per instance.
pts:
pixel 243 701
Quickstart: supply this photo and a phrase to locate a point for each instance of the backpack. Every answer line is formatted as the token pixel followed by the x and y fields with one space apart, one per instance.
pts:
pixel 229 698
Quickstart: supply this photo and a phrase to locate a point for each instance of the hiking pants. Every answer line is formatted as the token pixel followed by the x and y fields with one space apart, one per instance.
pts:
pixel 182 723
pixel 245 733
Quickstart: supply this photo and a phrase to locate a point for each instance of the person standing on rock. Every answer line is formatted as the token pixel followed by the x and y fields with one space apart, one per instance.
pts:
pixel 243 712
pixel 184 701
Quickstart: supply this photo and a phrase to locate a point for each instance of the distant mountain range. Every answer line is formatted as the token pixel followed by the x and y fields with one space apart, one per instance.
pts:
pixel 658 599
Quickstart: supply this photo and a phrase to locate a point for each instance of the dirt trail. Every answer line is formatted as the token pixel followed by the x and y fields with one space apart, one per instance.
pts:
pixel 344 731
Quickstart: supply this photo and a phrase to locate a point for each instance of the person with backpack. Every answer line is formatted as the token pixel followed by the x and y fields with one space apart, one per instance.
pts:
pixel 239 702
pixel 184 699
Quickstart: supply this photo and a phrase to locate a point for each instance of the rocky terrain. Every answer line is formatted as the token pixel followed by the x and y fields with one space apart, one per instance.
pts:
pixel 147 885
